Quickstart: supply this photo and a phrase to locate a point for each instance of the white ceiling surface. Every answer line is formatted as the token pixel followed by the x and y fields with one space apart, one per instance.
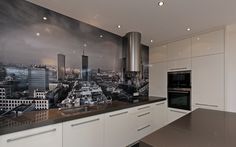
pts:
pixel 162 24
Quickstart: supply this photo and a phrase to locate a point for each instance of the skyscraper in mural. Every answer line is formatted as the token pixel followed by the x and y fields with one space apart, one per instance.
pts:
pixel 38 79
pixel 61 67
pixel 85 72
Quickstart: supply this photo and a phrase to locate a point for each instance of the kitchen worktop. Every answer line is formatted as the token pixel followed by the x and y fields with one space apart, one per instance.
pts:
pixel 201 128
pixel 35 119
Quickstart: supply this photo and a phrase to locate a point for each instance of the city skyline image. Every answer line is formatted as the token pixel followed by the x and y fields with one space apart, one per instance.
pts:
pixel 48 60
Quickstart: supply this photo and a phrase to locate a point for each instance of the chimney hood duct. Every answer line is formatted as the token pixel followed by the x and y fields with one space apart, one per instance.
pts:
pixel 133 51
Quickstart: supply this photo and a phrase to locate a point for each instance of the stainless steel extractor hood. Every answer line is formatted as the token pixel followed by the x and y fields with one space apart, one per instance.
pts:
pixel 133 51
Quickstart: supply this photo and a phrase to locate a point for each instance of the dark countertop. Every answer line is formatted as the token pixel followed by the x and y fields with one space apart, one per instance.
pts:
pixel 201 128
pixel 48 117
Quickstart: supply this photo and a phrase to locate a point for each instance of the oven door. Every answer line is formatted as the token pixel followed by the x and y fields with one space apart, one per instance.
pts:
pixel 180 99
pixel 179 79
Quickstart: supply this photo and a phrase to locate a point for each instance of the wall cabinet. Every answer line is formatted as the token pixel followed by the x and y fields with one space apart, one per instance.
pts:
pixel 158 54
pixel 117 128
pixel 207 44
pixel 179 65
pixel 159 115
pixel 158 79
pixel 208 82
pixel 84 132
pixel 179 50
pixel 174 114
pixel 38 137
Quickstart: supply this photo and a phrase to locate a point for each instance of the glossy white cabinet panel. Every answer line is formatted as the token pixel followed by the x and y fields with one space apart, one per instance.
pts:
pixel 208 82
pixel 85 132
pixel 180 65
pixel 117 129
pixel 207 44
pixel 158 54
pixel 179 50
pixel 158 79
pixel 159 115
pixel 48 136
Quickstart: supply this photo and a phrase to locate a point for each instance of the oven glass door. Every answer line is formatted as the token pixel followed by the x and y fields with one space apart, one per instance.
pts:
pixel 180 79
pixel 179 100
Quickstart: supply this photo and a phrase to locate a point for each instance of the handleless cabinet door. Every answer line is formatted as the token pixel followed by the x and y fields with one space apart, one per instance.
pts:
pixel 179 50
pixel 207 44
pixel 208 82
pixel 48 136
pixel 158 54
pixel 85 132
pixel 158 79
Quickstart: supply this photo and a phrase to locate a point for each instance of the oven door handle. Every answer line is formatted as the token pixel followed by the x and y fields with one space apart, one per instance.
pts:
pixel 179 91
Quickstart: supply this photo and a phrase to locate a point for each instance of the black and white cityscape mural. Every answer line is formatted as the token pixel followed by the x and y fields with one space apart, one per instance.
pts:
pixel 48 60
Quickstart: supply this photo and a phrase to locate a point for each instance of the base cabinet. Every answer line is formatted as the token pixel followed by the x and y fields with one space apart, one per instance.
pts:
pixel 86 132
pixel 48 136
pixel 117 129
pixel 142 121
pixel 159 115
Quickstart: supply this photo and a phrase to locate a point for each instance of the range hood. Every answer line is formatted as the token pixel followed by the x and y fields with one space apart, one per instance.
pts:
pixel 132 51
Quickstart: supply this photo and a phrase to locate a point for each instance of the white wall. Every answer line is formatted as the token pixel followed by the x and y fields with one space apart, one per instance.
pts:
pixel 230 68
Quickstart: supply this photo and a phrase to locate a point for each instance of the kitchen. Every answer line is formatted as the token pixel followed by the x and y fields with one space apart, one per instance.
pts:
pixel 70 76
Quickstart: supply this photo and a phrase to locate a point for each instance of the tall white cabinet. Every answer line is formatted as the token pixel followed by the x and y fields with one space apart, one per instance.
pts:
pixel 208 82
pixel 204 55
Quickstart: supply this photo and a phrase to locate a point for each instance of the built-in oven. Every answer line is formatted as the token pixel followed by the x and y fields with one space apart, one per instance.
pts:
pixel 179 98
pixel 179 90
pixel 179 79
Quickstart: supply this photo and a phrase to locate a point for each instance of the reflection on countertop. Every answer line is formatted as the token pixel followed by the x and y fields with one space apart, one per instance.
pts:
pixel 35 119
pixel 200 128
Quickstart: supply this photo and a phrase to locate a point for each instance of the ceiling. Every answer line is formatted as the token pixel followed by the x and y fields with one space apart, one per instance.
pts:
pixel 160 24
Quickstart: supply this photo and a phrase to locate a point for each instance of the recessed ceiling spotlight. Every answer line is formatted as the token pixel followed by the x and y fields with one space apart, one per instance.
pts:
pixel 101 36
pixel 44 18
pixel 161 3
pixel 151 41
pixel 188 29
pixel 38 34
pixel 119 26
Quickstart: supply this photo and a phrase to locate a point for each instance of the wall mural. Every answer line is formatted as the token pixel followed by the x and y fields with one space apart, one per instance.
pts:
pixel 49 60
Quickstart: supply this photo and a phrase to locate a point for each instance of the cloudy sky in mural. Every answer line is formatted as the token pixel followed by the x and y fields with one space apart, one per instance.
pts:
pixel 30 34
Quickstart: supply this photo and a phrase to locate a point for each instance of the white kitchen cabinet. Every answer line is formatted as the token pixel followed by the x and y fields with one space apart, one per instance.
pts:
pixel 158 79
pixel 208 82
pixel 180 65
pixel 209 43
pixel 85 132
pixel 118 132
pixel 141 118
pixel 159 115
pixel 48 136
pixel 179 49
pixel 158 54
pixel 174 114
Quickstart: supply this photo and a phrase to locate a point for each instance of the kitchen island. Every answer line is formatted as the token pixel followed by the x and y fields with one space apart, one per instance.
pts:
pixel 201 128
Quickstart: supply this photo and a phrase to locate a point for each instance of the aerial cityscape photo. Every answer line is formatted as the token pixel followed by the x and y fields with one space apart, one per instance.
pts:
pixel 53 61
